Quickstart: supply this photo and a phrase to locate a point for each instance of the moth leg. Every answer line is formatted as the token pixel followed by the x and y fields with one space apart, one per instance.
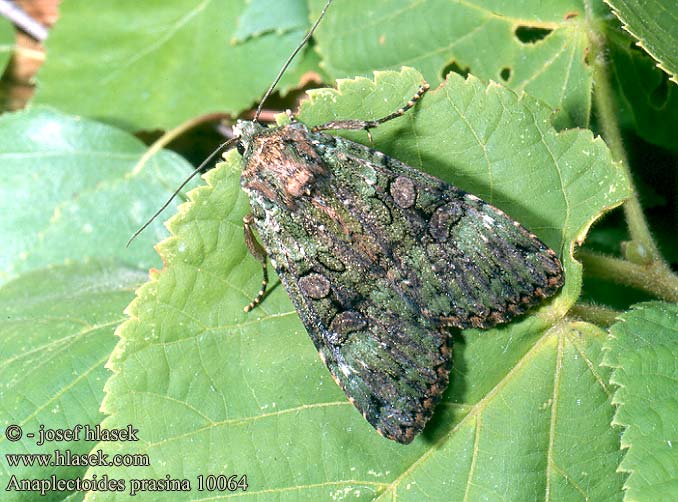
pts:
pixel 369 136
pixel 370 124
pixel 258 251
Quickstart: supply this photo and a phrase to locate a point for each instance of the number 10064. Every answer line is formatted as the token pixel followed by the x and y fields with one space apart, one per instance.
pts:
pixel 222 483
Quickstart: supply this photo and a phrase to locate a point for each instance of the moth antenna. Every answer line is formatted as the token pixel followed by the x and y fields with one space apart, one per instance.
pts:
pixel 289 60
pixel 255 119
pixel 183 184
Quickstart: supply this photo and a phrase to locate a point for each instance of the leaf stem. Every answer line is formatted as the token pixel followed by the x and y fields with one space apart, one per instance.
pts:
pixel 651 278
pixel 606 111
pixel 596 314
pixel 171 135
pixel 645 268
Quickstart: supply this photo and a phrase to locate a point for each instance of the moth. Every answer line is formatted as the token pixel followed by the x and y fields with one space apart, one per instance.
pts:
pixel 380 259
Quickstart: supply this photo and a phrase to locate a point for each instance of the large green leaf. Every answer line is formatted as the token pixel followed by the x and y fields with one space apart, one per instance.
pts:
pixel 68 191
pixel 643 350
pixel 216 391
pixel 56 333
pixel 535 46
pixel 154 64
pixel 654 23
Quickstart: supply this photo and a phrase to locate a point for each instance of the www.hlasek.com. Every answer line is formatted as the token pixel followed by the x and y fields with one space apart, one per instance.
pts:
pixel 66 457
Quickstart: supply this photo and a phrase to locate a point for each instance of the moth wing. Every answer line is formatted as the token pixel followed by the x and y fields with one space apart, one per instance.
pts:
pixel 466 262
pixel 392 363
pixel 500 269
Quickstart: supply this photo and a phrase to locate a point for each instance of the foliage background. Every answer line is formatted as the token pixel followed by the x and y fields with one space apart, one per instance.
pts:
pixel 535 409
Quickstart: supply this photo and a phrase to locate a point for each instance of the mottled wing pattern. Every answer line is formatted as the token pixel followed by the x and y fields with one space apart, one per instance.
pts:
pixel 464 261
pixel 378 258
pixel 392 362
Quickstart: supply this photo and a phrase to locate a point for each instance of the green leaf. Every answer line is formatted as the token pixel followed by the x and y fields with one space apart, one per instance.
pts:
pixel 532 46
pixel 528 409
pixel 646 99
pixel 68 192
pixel 264 16
pixel 653 23
pixel 148 65
pixel 7 37
pixel 643 350
pixel 56 333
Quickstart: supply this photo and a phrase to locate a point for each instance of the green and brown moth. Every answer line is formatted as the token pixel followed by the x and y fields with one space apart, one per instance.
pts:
pixel 380 259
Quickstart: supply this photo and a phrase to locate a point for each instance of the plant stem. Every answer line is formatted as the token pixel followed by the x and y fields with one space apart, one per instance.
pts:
pixel 646 268
pixel 606 111
pixel 596 314
pixel 171 135
pixel 651 278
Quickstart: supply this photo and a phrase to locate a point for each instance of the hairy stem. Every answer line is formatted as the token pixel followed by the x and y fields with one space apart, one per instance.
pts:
pixel 596 314
pixel 651 278
pixel 645 269
pixel 606 112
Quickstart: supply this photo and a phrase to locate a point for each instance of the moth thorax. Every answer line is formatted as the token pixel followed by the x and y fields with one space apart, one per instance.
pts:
pixel 282 164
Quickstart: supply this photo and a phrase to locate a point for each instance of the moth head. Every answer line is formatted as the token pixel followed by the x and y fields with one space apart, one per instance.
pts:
pixel 245 131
